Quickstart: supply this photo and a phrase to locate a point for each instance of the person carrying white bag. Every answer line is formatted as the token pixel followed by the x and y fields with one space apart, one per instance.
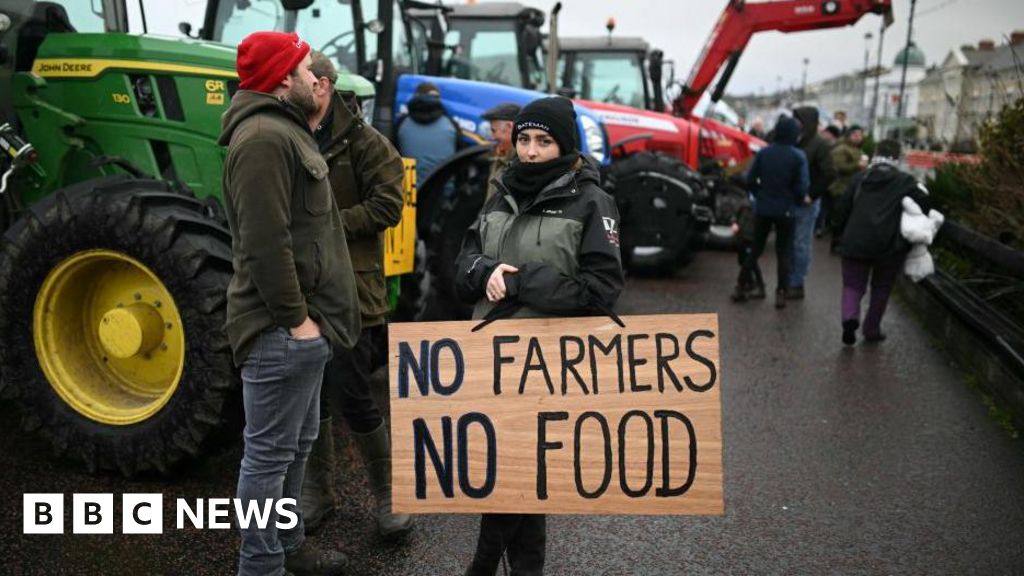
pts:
pixel 872 244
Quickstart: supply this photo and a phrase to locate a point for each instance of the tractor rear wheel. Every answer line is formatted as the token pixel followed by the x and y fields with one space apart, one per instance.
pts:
pixel 111 324
pixel 452 217
pixel 656 195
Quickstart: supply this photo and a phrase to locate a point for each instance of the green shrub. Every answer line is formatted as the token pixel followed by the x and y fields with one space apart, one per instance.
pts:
pixel 998 182
pixel 988 198
pixel 950 191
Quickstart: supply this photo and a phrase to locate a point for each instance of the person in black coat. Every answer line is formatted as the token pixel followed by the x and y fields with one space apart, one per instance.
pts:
pixel 779 180
pixel 822 173
pixel 546 244
pixel 872 247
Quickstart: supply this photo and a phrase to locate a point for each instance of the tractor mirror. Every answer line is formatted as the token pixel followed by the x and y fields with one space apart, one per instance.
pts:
pixel 296 4
pixel 655 67
pixel 186 29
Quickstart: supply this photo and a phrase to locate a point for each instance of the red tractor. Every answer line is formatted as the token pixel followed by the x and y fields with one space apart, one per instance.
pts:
pixel 659 148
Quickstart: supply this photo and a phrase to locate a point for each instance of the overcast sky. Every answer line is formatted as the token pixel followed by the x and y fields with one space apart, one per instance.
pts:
pixel 680 28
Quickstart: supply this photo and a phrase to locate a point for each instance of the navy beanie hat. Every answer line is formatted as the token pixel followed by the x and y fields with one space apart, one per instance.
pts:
pixel 554 115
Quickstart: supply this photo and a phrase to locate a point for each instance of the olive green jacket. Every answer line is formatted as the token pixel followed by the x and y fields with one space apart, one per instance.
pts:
pixel 288 244
pixel 366 174
pixel 846 159
pixel 499 163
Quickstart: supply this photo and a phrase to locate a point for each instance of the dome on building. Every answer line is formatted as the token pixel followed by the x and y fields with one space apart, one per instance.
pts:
pixel 913 55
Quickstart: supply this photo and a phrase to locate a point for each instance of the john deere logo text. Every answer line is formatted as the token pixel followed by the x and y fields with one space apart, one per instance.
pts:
pixel 51 67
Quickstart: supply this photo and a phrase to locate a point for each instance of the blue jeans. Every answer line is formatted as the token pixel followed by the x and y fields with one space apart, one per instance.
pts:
pixel 804 217
pixel 281 394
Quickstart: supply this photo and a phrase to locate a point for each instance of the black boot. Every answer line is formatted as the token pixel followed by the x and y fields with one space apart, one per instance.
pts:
pixel 780 298
pixel 739 294
pixel 375 449
pixel 309 560
pixel 318 484
pixel 850 331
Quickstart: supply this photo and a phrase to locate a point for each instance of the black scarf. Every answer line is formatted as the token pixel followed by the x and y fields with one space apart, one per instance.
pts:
pixel 526 179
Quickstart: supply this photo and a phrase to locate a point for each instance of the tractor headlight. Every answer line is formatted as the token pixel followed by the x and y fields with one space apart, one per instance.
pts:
pixel 485 131
pixel 595 138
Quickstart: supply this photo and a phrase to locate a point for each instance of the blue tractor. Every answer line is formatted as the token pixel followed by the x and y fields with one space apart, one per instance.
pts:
pixel 388 42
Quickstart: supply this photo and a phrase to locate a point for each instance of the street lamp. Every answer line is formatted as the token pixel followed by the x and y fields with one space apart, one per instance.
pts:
pixel 864 85
pixel 906 58
pixel 803 83
pixel 878 78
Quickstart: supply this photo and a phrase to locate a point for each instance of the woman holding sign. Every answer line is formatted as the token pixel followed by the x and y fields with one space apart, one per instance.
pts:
pixel 547 244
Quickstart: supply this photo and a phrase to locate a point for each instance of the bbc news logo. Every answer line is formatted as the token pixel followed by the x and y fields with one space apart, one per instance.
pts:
pixel 144 513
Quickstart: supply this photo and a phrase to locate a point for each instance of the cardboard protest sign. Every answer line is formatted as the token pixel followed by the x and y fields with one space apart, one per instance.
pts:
pixel 557 415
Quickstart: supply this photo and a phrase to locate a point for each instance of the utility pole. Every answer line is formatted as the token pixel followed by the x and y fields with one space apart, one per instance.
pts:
pixel 906 57
pixel 878 79
pixel 803 83
pixel 864 87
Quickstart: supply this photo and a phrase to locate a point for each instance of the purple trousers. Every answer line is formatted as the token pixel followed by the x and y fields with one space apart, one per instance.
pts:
pixel 883 274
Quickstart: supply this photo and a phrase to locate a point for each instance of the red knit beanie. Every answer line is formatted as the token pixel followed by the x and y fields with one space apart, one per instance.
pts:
pixel 265 58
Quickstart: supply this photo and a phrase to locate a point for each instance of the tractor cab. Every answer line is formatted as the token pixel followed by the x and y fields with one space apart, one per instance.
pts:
pixel 496 42
pixel 611 70
pixel 372 39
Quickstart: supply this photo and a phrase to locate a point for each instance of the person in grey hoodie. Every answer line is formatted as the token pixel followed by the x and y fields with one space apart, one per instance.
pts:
pixel 779 181
pixel 292 297
pixel 822 173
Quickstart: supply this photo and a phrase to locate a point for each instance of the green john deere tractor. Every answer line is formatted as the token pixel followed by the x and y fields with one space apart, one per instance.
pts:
pixel 116 257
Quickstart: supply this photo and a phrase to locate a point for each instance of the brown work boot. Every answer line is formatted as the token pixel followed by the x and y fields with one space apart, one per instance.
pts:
pixel 375 449
pixel 318 484
pixel 309 560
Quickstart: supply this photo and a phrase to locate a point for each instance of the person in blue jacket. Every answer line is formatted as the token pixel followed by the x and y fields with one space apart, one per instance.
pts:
pixel 780 181
pixel 427 133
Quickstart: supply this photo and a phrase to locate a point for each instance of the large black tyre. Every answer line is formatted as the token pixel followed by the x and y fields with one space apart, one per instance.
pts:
pixel 447 228
pixel 413 288
pixel 726 196
pixel 457 214
pixel 189 252
pixel 656 195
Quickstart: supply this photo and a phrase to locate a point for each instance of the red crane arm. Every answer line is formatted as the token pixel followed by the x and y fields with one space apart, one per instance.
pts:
pixel 740 20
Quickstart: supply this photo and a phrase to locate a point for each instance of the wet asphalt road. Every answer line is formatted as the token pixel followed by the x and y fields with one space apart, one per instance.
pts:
pixel 870 460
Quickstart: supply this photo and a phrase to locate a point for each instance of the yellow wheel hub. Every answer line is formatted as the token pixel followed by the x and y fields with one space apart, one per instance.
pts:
pixel 109 337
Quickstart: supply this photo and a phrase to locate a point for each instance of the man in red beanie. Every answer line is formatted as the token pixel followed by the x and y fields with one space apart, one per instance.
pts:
pixel 292 299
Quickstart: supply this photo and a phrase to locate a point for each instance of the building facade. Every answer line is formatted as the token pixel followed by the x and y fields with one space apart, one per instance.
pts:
pixel 971 86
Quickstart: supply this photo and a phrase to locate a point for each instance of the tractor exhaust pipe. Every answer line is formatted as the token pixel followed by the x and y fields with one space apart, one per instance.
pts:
pixel 553 49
